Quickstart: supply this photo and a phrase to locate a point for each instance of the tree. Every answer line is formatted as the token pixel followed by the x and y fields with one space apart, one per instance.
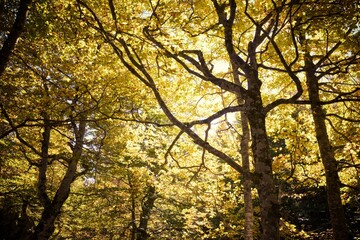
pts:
pixel 8 41
pixel 318 65
pixel 51 107
pixel 243 57
pixel 134 119
pixel 244 150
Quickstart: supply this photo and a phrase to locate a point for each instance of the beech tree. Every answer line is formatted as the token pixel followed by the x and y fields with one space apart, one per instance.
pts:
pixel 321 62
pixel 243 59
pixel 155 119
pixel 50 106
pixel 254 47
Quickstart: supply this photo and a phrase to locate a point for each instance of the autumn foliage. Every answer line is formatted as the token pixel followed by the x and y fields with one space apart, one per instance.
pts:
pixel 186 119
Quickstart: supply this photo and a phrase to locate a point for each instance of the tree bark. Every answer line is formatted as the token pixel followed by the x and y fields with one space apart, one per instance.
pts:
pixel 16 30
pixel 46 226
pixel 264 180
pixel 336 210
pixel 268 197
pixel 43 165
pixel 244 151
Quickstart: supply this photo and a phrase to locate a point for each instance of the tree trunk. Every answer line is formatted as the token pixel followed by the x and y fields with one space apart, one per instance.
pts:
pixel 46 226
pixel 43 165
pixel 14 34
pixel 147 206
pixel 269 206
pixel 244 151
pixel 336 210
pixel 268 197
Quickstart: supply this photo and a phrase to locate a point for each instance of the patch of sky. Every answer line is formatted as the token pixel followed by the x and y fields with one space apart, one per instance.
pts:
pixel 145 14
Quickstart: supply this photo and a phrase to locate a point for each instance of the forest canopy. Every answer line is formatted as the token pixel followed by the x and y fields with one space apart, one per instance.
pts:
pixel 184 119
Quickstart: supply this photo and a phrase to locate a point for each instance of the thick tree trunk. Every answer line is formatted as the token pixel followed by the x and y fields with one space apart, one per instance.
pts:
pixel 336 210
pixel 43 165
pixel 46 226
pixel 268 197
pixel 244 151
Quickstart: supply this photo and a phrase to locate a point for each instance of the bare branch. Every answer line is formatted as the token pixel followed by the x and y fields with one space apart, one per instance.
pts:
pixel 7 117
pixel 168 152
pixel 343 118
pixel 331 51
pixel 337 131
pixel 205 73
pixel 146 78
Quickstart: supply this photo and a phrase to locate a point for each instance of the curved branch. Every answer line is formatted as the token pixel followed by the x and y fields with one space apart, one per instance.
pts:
pixel 216 115
pixel 7 117
pixel 235 59
pixel 146 78
pixel 332 50
pixel 200 64
pixel 13 128
pixel 337 131
pixel 343 118
pixel 196 138
pixel 292 75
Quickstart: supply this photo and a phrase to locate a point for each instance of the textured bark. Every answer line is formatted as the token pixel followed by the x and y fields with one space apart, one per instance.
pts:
pixel 14 34
pixel 264 181
pixel 268 197
pixel 244 151
pixel 336 210
pixel 46 226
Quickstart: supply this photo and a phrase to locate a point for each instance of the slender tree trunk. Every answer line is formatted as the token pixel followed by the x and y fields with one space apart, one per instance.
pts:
pixel 46 226
pixel 14 34
pixel 147 207
pixel 133 208
pixel 43 165
pixel 336 210
pixel 244 151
